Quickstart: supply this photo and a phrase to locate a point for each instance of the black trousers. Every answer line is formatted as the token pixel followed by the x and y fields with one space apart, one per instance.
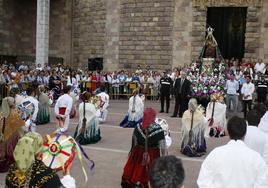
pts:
pixel 261 97
pixel 181 105
pixel 246 105
pixel 165 96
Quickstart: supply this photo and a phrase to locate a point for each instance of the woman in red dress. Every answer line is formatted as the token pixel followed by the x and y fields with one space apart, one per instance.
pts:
pixel 148 143
pixel 93 82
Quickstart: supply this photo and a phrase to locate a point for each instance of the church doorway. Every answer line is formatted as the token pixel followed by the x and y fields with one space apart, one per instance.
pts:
pixel 229 24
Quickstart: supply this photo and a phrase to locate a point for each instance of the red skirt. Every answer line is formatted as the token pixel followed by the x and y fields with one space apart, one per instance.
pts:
pixel 135 171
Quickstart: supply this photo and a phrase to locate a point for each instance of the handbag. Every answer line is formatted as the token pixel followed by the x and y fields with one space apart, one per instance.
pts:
pixel 189 149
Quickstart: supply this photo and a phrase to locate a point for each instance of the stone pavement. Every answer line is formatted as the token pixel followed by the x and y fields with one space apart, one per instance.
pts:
pixel 110 154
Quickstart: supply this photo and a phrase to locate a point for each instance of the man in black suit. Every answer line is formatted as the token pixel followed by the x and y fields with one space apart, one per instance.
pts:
pixel 182 93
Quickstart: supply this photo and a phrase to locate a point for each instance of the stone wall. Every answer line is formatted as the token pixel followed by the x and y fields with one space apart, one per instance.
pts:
pixel 146 33
pixel 263 52
pixel 19 23
pixel 18 28
pixel 89 18
pixel 60 35
pixel 1 26
pixel 252 35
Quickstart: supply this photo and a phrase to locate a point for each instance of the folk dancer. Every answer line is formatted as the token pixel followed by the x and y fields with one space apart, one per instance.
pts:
pixel 30 171
pixel 135 111
pixel 29 109
pixel 216 115
pixel 43 115
pixel 11 129
pixel 63 109
pixel 148 144
pixel 194 120
pixel 102 112
pixel 87 130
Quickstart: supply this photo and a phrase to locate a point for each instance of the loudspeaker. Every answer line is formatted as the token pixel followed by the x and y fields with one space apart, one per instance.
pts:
pixel 95 64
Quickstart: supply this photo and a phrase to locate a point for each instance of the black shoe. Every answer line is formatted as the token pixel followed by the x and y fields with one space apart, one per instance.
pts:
pixel 161 111
pixel 173 116
pixel 167 112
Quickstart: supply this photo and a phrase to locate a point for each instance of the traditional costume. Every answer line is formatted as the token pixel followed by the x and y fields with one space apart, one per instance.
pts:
pixel 199 125
pixel 216 115
pixel 102 111
pixel 11 123
pixel 135 111
pixel 87 131
pixel 63 109
pixel 148 143
pixel 29 171
pixel 28 110
pixel 43 115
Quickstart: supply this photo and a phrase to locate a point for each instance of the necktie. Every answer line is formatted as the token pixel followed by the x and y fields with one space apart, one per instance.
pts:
pixel 182 80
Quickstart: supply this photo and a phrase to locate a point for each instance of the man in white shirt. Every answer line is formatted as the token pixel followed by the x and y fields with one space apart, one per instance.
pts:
pixel 247 90
pixel 63 109
pixel 255 138
pixel 259 67
pixel 263 126
pixel 234 165
pixel 232 86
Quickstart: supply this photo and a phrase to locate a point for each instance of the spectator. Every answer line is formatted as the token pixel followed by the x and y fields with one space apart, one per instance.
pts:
pixel 232 87
pixel 167 172
pixel 247 91
pixel 234 165
pixel 259 67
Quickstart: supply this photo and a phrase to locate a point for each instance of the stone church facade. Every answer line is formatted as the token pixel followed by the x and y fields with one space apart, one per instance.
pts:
pixel 126 33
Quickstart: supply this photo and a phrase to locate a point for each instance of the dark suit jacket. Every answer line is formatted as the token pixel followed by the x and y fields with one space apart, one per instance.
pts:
pixel 185 90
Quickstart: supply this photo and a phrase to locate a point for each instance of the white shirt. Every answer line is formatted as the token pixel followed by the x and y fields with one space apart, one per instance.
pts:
pixel 258 141
pixel 233 165
pixel 64 101
pixel 247 89
pixel 232 86
pixel 263 125
pixel 259 67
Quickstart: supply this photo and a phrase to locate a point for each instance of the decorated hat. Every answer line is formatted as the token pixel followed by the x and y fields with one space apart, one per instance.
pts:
pixel 216 97
pixel 59 151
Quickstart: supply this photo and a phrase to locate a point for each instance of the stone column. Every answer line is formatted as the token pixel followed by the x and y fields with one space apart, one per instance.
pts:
pixel 111 47
pixel 182 31
pixel 42 31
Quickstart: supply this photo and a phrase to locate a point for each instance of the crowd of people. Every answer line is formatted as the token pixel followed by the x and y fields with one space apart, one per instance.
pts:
pixel 32 91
